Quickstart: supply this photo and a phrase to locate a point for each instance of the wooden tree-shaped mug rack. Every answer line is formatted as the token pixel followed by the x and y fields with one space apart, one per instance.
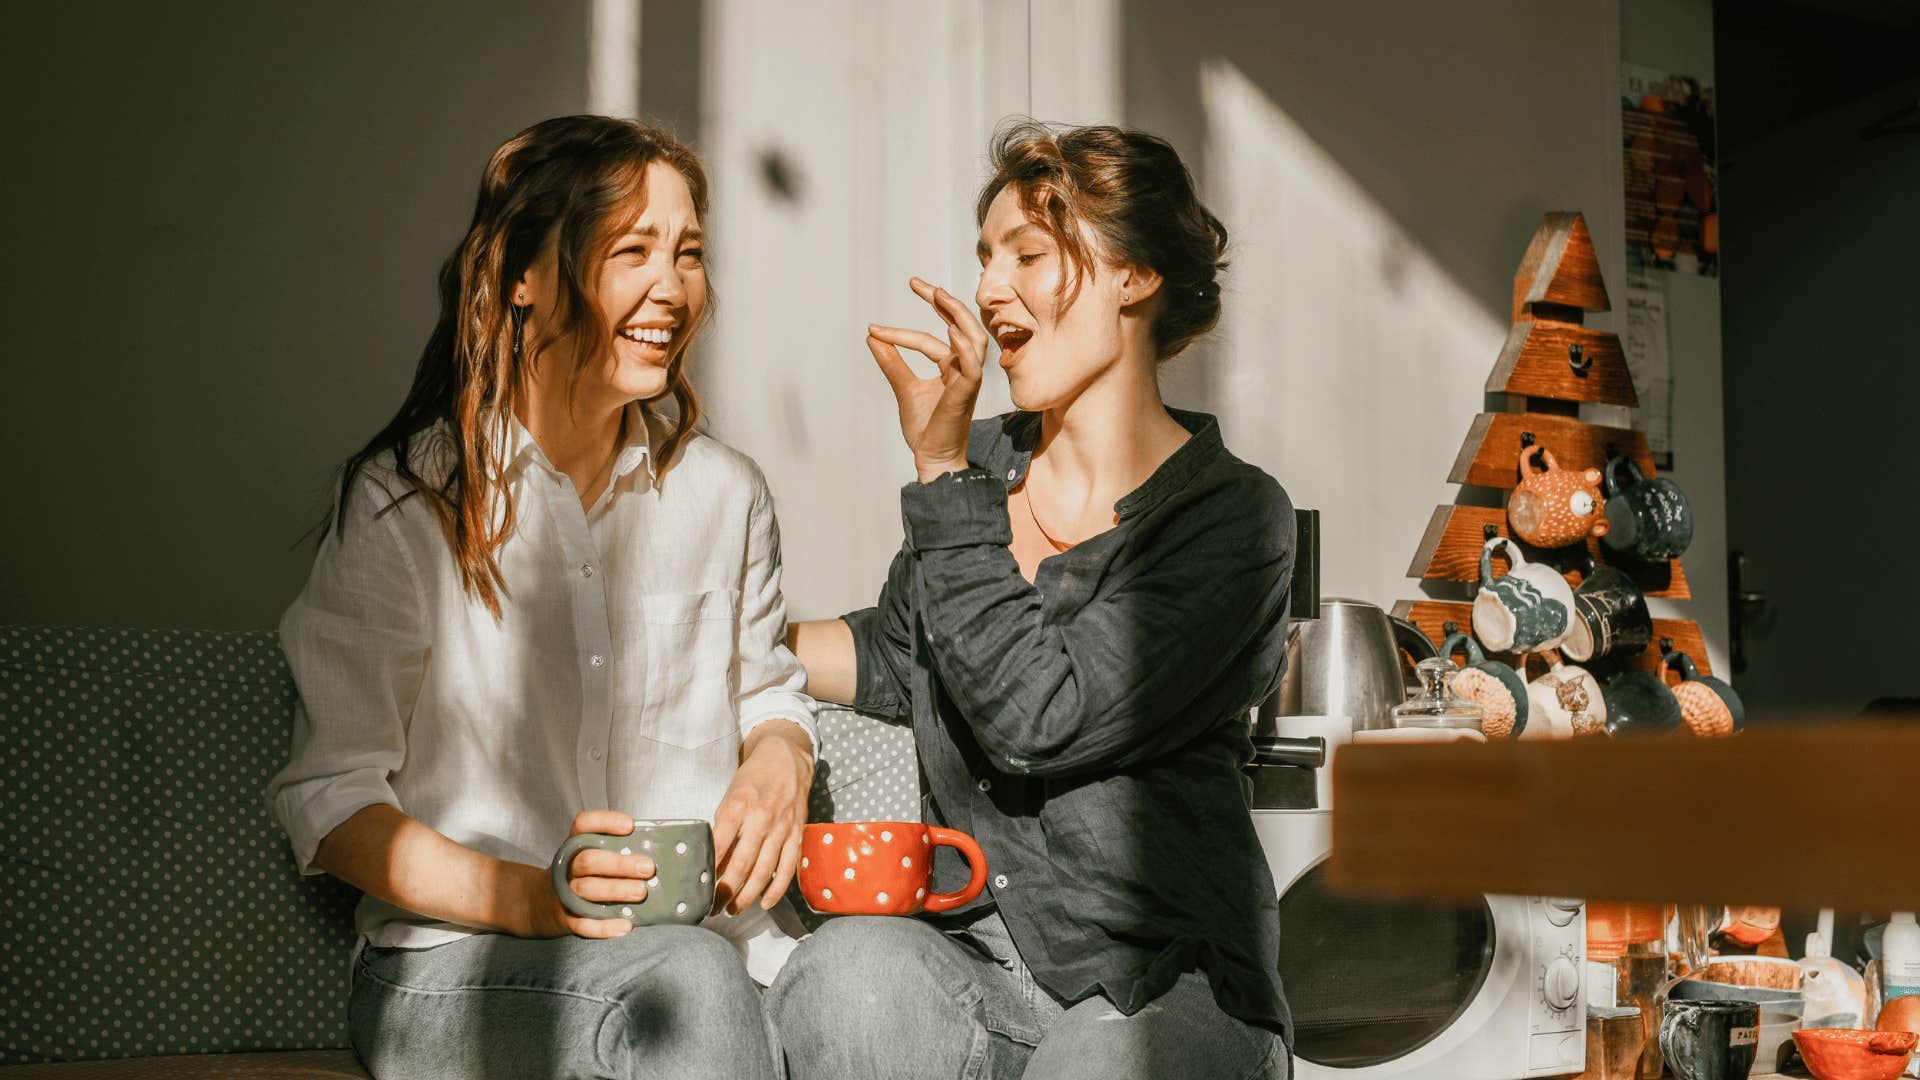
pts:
pixel 1551 364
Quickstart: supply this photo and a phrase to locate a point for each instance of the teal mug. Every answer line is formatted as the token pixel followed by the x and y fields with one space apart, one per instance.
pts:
pixel 1638 703
pixel 1498 689
pixel 1649 520
pixel 681 889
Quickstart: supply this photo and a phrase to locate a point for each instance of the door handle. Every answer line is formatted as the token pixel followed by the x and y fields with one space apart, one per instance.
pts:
pixel 1744 605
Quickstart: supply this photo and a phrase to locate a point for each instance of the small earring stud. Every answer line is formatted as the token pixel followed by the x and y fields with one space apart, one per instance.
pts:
pixel 1123 298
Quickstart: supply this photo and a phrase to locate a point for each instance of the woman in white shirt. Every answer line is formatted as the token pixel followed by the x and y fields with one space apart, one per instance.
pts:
pixel 544 603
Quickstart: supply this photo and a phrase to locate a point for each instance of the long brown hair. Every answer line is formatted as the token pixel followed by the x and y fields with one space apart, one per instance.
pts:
pixel 1131 191
pixel 578 180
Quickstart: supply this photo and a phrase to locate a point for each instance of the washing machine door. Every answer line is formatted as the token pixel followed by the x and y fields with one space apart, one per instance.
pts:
pixel 1371 981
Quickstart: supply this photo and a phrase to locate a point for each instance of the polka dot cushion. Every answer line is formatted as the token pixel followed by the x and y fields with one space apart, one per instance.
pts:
pixel 867 770
pixel 150 904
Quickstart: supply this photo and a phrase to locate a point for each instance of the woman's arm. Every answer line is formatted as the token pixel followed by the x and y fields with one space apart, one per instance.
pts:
pixel 387 854
pixel 356 642
pixel 864 658
pixel 825 648
pixel 757 826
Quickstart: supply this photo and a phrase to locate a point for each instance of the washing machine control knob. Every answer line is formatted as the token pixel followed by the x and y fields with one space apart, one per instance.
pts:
pixel 1562 909
pixel 1562 983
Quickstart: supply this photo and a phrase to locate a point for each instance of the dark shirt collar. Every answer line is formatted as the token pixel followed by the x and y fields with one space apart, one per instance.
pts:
pixel 1004 447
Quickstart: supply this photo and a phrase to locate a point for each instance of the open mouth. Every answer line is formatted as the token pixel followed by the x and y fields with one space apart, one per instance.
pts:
pixel 1011 338
pixel 648 335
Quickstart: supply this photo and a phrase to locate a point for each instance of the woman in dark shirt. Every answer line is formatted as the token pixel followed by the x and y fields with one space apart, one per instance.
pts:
pixel 1091 595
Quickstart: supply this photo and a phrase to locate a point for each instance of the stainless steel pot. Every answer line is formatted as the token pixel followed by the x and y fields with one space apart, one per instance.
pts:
pixel 1345 663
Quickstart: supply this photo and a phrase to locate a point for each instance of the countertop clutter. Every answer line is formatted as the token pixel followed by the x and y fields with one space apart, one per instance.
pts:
pixel 1527 734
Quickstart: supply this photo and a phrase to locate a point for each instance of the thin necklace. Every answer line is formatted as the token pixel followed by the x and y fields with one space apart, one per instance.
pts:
pixel 1026 492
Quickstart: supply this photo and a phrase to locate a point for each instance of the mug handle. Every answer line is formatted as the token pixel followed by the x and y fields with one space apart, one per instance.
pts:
pixel 1610 484
pixel 1514 559
pixel 1679 662
pixel 569 899
pixel 1455 640
pixel 976 860
pixel 1527 453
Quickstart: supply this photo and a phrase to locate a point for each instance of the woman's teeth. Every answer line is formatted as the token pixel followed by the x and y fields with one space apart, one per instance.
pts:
pixel 650 335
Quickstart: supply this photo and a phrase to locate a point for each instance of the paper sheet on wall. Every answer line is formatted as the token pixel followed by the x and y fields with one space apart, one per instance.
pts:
pixel 1643 338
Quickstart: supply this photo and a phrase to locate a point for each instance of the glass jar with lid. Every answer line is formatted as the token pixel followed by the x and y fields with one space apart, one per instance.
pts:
pixel 1435 706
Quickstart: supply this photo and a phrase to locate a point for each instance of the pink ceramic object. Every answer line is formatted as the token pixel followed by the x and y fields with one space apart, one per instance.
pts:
pixel 1851 1054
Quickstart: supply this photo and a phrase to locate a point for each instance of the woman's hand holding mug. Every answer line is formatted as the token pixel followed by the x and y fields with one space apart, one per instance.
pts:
pixel 936 414
pixel 600 876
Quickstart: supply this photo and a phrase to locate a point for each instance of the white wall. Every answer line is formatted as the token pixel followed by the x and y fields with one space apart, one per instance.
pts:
pixel 1381 167
pixel 223 225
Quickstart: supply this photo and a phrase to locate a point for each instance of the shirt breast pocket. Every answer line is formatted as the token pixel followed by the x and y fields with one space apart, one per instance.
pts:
pixel 688 700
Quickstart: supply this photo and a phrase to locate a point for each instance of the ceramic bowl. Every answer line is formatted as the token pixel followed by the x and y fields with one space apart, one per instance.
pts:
pixel 1852 1054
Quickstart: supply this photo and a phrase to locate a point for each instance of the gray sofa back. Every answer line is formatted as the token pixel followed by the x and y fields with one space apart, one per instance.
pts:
pixel 151 905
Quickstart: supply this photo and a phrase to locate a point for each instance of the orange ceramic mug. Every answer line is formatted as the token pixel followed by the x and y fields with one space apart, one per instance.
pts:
pixel 881 867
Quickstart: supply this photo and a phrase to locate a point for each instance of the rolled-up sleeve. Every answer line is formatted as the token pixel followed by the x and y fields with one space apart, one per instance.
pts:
pixel 883 645
pixel 356 642
pixel 771 683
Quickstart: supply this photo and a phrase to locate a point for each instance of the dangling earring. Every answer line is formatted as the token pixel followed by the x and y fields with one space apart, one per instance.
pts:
pixel 519 314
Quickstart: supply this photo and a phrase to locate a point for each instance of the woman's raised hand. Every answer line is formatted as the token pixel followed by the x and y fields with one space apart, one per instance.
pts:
pixel 936 414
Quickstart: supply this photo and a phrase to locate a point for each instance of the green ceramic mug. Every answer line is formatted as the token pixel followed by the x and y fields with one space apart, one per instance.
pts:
pixel 1528 610
pixel 681 889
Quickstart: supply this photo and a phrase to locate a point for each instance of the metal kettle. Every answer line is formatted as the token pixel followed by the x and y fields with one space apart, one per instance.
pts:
pixel 1345 663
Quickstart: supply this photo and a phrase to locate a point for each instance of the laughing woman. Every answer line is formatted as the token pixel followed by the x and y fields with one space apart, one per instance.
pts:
pixel 1091 595
pixel 545 602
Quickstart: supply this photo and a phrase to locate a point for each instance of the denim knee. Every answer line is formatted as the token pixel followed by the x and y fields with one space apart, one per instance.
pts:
pixel 865 989
pixel 694 988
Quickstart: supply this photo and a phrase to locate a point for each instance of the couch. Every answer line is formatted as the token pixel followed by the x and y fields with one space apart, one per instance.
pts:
pixel 155 925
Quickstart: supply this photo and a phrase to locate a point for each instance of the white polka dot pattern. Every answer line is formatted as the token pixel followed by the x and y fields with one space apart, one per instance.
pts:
pixel 156 744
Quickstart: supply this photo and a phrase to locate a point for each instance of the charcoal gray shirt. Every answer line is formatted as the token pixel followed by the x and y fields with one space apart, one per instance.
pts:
pixel 1089 729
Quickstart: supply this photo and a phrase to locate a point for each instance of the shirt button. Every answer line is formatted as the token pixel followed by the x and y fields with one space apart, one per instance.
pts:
pixel 985 785
pixel 597 660
pixel 1011 473
pixel 586 569
pixel 1000 882
pixel 594 753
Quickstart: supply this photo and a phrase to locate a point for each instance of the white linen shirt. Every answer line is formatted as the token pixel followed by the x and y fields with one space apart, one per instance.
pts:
pixel 639 642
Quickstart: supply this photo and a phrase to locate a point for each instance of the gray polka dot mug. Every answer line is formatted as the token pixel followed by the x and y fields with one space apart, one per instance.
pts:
pixel 882 867
pixel 681 889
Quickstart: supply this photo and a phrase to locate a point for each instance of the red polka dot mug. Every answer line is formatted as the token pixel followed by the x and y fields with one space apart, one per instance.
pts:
pixel 881 867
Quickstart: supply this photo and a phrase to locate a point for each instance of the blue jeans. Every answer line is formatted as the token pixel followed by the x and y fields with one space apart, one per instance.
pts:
pixel 663 1001
pixel 876 997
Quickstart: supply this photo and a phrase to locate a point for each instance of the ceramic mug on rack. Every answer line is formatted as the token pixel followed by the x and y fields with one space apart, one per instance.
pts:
pixel 1566 701
pixel 1553 507
pixel 1708 706
pixel 1638 703
pixel 1649 520
pixel 1498 689
pixel 1529 610
pixel 1610 616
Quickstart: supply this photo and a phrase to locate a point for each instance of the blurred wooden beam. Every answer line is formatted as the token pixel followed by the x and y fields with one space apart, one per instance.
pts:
pixel 1804 816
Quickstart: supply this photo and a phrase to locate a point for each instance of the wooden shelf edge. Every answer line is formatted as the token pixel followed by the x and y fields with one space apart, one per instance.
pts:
pixel 1450 551
pixel 1795 816
pixel 1431 616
